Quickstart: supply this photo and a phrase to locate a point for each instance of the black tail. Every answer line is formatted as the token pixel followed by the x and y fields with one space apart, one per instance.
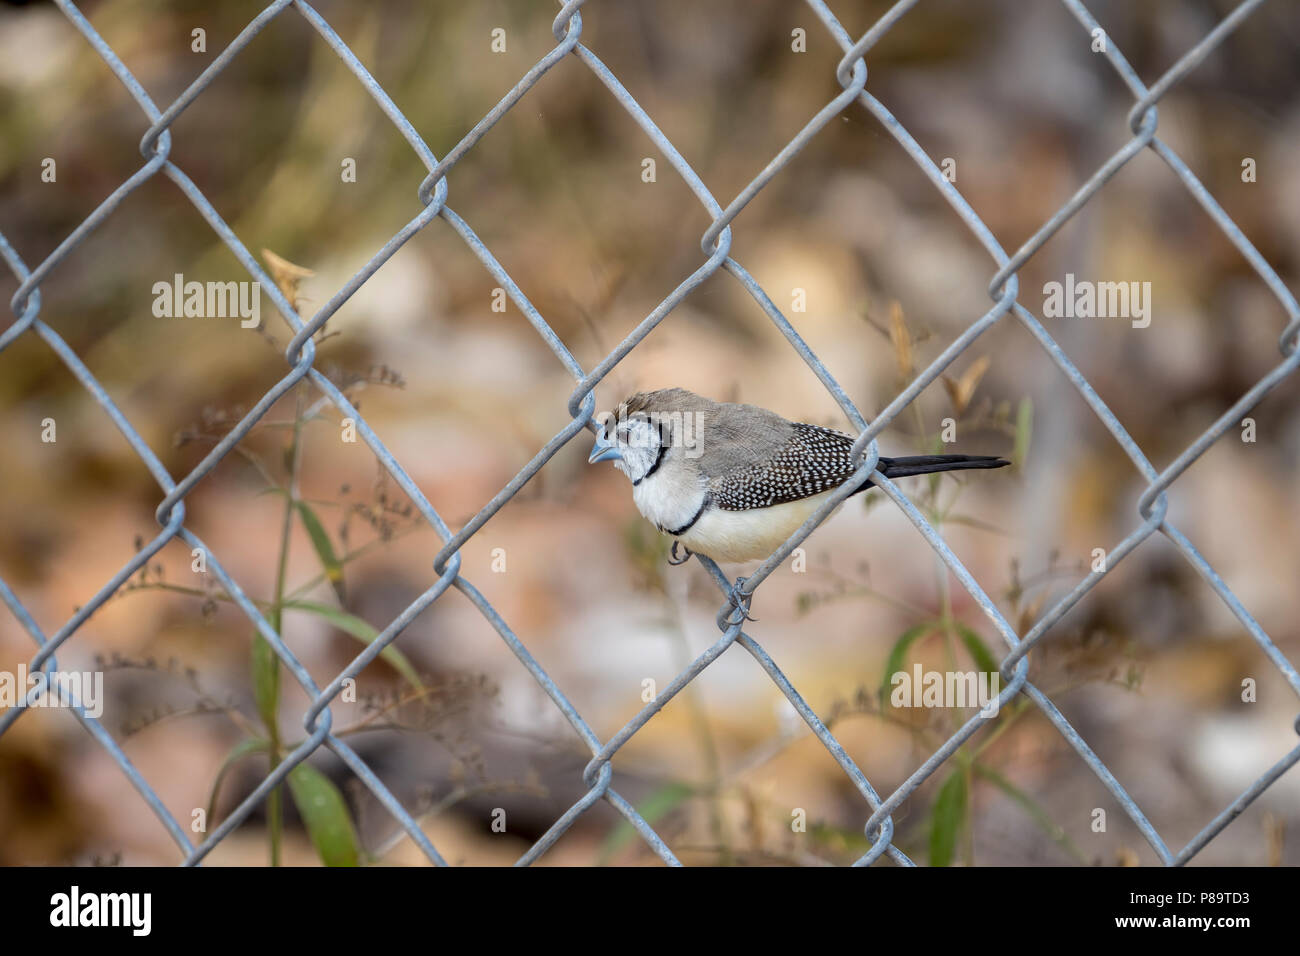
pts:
pixel 929 464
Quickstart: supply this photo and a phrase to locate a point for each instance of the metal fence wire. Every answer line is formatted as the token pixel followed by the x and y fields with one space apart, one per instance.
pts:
pixel 598 776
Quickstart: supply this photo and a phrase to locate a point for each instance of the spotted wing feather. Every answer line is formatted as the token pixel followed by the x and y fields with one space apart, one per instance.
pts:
pixel 812 460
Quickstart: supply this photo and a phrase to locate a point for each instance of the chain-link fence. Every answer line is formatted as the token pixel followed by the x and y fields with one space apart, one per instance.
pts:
pixel 599 774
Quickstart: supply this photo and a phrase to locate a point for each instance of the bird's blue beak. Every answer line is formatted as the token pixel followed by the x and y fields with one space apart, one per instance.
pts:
pixel 603 450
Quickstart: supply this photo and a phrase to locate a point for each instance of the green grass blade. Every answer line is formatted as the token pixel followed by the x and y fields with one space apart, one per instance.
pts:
pixel 246 747
pixel 266 682
pixel 655 806
pixel 320 540
pixel 1035 811
pixel 1024 429
pixel 355 626
pixel 978 650
pixel 325 815
pixel 946 819
pixel 898 655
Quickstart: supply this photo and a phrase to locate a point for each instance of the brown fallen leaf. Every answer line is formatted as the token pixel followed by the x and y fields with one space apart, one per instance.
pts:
pixel 286 274
pixel 962 390
pixel 902 340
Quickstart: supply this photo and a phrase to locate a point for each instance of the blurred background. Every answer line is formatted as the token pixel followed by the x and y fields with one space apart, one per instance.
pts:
pixel 1149 667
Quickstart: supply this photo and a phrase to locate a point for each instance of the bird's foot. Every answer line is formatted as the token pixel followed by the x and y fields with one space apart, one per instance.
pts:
pixel 740 601
pixel 673 559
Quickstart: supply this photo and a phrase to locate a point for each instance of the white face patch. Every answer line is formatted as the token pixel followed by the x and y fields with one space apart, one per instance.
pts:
pixel 639 443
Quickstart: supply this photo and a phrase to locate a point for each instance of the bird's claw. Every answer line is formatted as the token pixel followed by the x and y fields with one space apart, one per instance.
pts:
pixel 673 559
pixel 740 601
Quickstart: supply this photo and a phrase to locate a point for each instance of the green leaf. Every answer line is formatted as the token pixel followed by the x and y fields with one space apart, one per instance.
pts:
pixel 898 655
pixel 1036 813
pixel 266 681
pixel 978 650
pixel 326 816
pixel 655 806
pixel 324 549
pixel 1024 428
pixel 946 819
pixel 246 747
pixel 351 624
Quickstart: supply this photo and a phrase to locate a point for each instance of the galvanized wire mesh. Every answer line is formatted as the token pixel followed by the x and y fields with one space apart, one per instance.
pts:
pixel 599 773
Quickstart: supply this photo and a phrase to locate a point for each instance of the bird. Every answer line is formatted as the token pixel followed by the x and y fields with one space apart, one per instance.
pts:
pixel 730 481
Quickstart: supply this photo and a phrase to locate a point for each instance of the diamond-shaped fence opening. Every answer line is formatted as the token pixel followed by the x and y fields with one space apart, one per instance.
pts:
pixel 433 201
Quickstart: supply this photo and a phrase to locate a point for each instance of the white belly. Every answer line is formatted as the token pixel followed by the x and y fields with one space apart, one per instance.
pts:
pixel 746 535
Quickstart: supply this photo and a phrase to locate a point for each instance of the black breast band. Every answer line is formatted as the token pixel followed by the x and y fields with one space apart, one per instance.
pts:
pixel 687 527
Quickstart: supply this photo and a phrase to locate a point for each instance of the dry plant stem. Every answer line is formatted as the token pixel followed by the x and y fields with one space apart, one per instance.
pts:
pixel 365 549
pixel 950 651
pixel 366 722
pixel 442 806
pixel 700 724
pixel 936 517
pixel 853 589
pixel 298 592
pixel 275 800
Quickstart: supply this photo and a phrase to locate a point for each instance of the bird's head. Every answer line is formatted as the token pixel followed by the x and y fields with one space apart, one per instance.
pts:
pixel 644 430
pixel 632 443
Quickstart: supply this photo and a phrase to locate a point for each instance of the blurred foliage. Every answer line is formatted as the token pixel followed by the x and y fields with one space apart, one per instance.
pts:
pixel 1149 665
